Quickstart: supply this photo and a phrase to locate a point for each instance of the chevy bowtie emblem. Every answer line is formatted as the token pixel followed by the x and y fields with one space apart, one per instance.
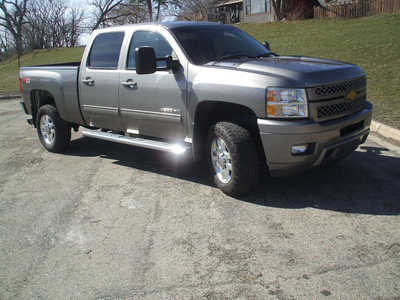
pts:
pixel 352 95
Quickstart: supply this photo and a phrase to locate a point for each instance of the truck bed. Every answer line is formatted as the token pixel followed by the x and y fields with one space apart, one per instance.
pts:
pixel 61 81
pixel 68 64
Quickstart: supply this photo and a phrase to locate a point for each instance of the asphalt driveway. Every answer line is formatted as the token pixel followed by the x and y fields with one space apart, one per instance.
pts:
pixel 108 221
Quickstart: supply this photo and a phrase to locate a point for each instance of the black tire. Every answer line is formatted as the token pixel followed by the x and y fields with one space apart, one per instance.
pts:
pixel 244 158
pixel 61 130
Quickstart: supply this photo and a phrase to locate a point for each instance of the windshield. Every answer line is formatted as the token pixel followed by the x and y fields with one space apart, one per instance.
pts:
pixel 209 43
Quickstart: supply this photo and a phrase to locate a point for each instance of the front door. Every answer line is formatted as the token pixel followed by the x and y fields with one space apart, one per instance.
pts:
pixel 152 104
pixel 99 82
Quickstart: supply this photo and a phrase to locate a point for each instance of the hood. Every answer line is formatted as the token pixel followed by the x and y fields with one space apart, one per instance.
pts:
pixel 299 70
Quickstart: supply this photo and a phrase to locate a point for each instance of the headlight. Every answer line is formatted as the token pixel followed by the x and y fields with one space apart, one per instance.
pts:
pixel 286 103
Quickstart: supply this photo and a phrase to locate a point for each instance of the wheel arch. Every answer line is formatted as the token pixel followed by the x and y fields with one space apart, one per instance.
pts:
pixel 208 113
pixel 38 99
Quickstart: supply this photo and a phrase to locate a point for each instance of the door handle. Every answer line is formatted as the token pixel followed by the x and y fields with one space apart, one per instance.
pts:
pixel 129 84
pixel 89 81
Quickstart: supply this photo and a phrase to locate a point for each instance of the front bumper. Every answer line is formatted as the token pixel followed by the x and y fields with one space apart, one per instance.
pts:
pixel 332 140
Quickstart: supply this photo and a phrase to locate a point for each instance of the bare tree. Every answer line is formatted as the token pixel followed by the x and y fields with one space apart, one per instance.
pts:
pixel 132 12
pixel 35 30
pixel 150 9
pixel 110 12
pixel 192 10
pixel 13 19
pixel 74 27
pixel 52 24
pixel 104 9
pixel 159 5
pixel 6 44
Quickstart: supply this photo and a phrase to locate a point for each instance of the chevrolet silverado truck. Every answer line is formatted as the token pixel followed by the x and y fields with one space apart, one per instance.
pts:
pixel 206 89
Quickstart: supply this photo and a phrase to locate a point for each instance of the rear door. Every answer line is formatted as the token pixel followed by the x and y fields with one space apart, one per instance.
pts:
pixel 99 81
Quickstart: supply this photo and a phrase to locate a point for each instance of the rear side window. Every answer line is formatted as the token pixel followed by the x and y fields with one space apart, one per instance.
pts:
pixel 105 50
pixel 152 39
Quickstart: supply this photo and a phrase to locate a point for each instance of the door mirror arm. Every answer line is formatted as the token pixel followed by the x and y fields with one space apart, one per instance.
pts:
pixel 266 45
pixel 172 64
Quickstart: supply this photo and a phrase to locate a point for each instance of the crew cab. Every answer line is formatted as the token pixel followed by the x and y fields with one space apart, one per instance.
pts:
pixel 206 89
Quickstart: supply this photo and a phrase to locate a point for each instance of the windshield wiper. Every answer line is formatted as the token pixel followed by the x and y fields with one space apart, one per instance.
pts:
pixel 269 54
pixel 240 55
pixel 233 56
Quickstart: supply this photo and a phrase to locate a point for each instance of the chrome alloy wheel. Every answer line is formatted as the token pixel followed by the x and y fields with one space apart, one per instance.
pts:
pixel 48 129
pixel 221 160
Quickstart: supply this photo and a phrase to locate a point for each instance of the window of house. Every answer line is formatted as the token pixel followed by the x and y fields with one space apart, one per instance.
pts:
pixel 105 51
pixel 152 39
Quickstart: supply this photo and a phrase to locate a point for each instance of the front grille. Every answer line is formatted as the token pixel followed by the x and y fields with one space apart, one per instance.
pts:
pixel 341 88
pixel 336 110
pixel 330 101
pixel 335 90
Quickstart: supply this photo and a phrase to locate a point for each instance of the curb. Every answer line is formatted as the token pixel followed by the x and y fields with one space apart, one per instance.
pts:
pixel 7 97
pixel 385 131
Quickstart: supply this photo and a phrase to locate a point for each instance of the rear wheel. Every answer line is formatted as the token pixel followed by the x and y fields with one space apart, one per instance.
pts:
pixel 54 133
pixel 233 158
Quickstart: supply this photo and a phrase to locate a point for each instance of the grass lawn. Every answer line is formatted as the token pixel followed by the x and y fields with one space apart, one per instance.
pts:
pixel 372 42
pixel 9 68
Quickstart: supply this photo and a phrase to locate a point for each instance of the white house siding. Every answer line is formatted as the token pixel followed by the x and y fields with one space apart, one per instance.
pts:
pixel 257 11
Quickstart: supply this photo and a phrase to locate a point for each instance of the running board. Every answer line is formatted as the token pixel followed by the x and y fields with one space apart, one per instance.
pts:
pixel 136 141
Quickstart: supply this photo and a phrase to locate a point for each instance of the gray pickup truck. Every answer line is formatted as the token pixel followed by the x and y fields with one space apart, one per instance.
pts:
pixel 206 89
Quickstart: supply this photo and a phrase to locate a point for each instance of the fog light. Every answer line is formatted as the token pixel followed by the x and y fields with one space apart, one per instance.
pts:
pixel 303 149
pixel 299 149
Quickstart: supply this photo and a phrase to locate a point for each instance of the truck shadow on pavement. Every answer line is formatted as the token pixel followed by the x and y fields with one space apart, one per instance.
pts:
pixel 365 183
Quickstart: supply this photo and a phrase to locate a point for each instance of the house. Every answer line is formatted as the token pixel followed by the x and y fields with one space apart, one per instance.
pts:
pixel 230 12
pixel 258 11
pixel 262 11
pixel 244 11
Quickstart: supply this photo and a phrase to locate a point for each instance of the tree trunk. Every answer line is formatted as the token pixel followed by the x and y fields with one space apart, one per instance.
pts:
pixel 277 5
pixel 150 9
pixel 158 10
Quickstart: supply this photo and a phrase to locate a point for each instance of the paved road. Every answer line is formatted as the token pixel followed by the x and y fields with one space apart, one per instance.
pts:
pixel 106 221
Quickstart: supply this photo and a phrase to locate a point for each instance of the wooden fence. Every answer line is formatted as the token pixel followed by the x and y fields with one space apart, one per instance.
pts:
pixel 361 8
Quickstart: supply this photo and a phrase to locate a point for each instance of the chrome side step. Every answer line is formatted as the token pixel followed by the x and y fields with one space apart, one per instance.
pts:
pixel 136 141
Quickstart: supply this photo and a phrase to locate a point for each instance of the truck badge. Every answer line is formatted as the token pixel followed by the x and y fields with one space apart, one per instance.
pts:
pixel 352 95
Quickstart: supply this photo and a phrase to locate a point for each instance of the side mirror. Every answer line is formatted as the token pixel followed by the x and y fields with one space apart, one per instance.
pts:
pixel 266 45
pixel 145 59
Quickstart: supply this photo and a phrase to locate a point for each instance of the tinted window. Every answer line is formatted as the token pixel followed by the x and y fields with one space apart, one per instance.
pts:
pixel 152 39
pixel 208 43
pixel 105 50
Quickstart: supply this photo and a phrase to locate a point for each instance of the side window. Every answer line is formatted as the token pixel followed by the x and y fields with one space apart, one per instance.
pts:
pixel 105 51
pixel 152 39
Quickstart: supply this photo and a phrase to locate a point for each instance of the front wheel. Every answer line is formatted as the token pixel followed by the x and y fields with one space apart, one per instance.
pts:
pixel 233 158
pixel 54 133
